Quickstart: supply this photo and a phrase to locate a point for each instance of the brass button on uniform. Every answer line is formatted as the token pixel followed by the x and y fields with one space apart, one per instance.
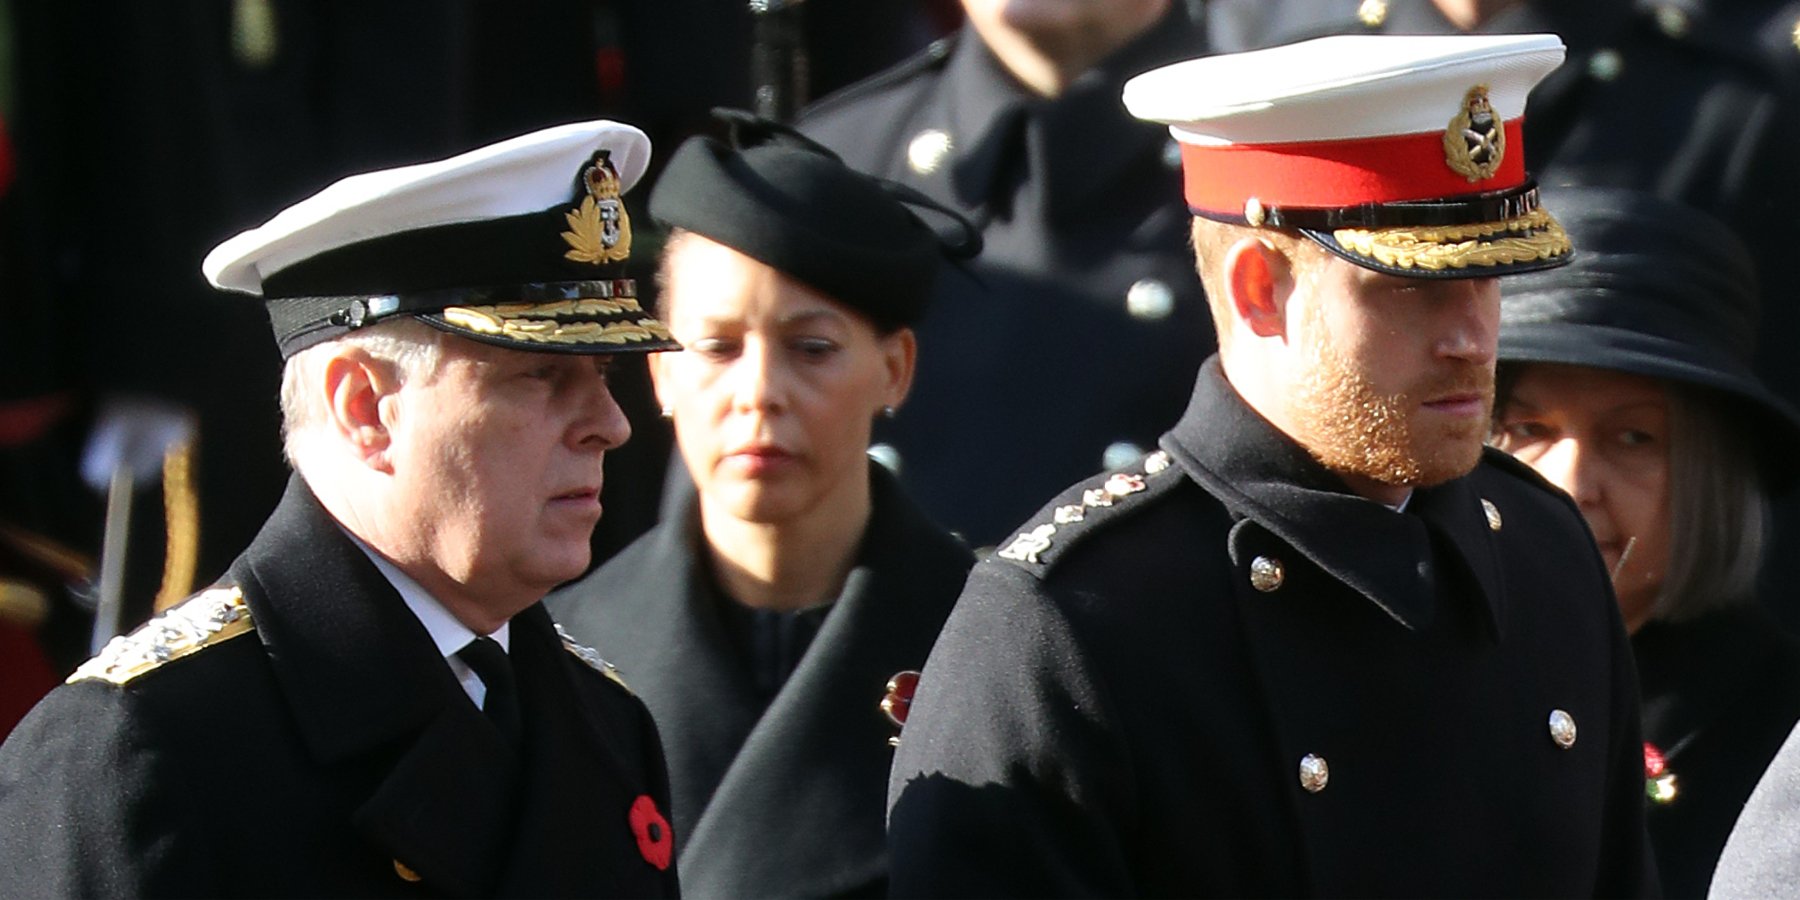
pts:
pixel 1266 573
pixel 1493 514
pixel 927 150
pixel 1562 728
pixel 1372 12
pixel 1314 773
pixel 1673 20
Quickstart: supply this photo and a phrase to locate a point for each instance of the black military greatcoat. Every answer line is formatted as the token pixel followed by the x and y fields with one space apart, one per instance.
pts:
pixel 1085 254
pixel 1220 673
pixel 327 750
pixel 787 799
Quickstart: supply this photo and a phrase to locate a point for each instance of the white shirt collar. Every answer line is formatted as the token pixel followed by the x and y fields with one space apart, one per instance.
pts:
pixel 449 634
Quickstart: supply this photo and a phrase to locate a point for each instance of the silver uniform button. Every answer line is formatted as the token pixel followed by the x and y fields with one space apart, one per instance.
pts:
pixel 1562 728
pixel 1372 12
pixel 1314 773
pixel 1492 512
pixel 927 150
pixel 1266 573
pixel 1606 65
pixel 887 456
pixel 1120 454
pixel 1149 299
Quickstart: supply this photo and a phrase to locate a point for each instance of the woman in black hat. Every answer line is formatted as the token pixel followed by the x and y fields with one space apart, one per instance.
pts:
pixel 1625 379
pixel 764 619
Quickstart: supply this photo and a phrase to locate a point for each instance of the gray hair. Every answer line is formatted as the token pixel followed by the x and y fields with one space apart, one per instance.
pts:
pixel 410 346
pixel 1718 509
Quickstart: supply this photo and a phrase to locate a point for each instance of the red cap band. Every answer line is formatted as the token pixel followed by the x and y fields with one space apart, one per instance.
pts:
pixel 1334 174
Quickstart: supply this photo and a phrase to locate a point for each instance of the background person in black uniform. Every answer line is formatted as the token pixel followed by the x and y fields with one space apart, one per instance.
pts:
pixel 1625 380
pixel 374 703
pixel 764 617
pixel 1321 642
pixel 1696 101
pixel 1085 245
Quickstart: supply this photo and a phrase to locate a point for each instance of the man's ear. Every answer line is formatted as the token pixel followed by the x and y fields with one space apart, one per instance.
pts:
pixel 1259 279
pixel 355 384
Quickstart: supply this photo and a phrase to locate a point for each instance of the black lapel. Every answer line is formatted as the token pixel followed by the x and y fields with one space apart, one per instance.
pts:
pixel 650 611
pixel 820 754
pixel 370 692
pixel 576 789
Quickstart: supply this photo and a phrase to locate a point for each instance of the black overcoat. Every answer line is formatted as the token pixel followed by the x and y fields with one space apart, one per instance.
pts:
pixel 328 751
pixel 1720 694
pixel 1220 673
pixel 1085 255
pixel 786 801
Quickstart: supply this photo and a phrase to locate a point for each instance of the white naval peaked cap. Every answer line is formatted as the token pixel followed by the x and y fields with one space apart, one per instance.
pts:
pixel 520 243
pixel 1364 134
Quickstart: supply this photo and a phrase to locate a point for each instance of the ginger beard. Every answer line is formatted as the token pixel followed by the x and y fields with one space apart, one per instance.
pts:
pixel 1388 438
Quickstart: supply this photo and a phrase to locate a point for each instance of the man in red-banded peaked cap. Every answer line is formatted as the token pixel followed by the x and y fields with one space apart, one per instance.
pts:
pixel 1321 641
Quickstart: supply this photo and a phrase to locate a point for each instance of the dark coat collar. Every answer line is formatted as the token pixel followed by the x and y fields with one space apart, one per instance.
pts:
pixel 801 787
pixel 1263 476
pixel 369 692
pixel 1093 137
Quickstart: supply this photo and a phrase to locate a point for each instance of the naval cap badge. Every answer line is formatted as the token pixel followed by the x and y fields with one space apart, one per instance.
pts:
pixel 599 229
pixel 1475 140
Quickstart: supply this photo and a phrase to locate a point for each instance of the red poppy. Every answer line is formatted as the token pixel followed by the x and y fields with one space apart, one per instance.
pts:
pixel 1660 784
pixel 898 701
pixel 655 839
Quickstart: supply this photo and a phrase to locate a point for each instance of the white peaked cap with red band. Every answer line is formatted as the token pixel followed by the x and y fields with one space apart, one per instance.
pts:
pixel 1363 134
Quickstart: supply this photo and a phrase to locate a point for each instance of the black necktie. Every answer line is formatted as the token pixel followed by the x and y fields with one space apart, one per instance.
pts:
pixel 492 665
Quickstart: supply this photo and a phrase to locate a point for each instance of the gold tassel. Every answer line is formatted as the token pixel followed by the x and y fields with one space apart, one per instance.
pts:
pixel 181 515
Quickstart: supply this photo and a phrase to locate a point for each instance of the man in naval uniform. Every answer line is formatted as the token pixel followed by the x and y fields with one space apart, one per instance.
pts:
pixel 1084 244
pixel 1322 642
pixel 373 702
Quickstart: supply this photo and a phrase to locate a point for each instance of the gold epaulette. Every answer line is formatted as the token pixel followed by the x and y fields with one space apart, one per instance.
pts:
pixel 588 655
pixel 208 618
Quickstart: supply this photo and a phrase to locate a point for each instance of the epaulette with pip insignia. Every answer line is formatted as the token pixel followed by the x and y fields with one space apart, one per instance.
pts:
pixel 204 620
pixel 592 657
pixel 1101 500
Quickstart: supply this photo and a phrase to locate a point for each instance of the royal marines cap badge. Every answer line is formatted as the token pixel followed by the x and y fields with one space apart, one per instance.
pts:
pixel 1475 142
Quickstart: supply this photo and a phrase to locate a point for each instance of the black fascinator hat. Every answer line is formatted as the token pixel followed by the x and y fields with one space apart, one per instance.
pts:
pixel 778 197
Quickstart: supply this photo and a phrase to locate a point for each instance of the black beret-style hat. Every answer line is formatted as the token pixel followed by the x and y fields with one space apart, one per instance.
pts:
pixel 783 200
pixel 520 244
pixel 1660 290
